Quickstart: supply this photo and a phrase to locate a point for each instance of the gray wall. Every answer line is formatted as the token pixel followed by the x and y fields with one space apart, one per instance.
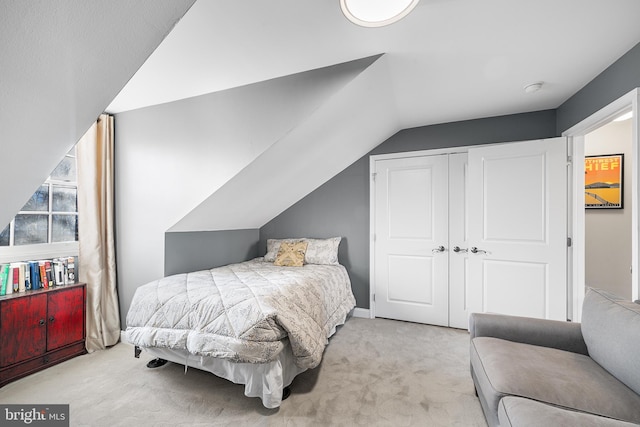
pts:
pixel 619 79
pixel 514 127
pixel 341 206
pixel 193 251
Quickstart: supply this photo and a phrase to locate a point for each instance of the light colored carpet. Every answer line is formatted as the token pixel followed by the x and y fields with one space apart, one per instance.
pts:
pixel 374 372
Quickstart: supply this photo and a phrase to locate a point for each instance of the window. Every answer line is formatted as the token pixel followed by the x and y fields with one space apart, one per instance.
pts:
pixel 48 222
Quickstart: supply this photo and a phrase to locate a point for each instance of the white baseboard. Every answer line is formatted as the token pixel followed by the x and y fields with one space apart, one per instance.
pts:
pixel 361 312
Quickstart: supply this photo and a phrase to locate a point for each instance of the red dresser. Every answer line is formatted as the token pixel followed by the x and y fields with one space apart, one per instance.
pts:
pixel 40 328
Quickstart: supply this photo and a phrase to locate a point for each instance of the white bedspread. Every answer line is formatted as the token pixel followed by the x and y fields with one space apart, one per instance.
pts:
pixel 243 312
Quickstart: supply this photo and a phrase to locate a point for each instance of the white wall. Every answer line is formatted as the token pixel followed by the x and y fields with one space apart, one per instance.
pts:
pixel 608 231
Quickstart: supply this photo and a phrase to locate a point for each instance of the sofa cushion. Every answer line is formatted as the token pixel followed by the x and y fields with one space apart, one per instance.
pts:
pixel 516 411
pixel 552 376
pixel 611 330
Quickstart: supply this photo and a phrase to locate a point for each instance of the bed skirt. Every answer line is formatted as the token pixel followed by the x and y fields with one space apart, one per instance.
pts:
pixel 263 380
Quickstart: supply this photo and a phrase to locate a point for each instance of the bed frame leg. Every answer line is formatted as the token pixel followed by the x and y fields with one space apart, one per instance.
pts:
pixel 156 363
pixel 286 392
pixel 136 352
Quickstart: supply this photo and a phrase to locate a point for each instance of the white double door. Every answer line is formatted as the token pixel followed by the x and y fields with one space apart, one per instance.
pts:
pixel 482 231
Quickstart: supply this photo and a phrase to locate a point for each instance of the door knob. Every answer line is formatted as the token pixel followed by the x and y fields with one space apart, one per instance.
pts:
pixel 438 249
pixel 475 250
pixel 459 249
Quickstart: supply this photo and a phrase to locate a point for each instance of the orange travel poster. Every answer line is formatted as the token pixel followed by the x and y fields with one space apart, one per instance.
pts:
pixel 603 181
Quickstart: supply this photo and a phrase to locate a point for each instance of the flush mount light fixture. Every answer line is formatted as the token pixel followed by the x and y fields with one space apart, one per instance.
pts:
pixel 533 87
pixel 376 13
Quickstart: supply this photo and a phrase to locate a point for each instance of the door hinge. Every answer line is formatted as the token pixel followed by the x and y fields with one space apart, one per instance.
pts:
pixel 373 175
pixel 569 242
pixel 374 297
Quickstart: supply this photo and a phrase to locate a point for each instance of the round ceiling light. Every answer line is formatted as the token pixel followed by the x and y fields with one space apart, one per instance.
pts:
pixel 533 87
pixel 376 13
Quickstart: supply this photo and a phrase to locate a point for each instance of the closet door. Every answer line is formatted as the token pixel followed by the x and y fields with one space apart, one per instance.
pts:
pixel 518 227
pixel 411 239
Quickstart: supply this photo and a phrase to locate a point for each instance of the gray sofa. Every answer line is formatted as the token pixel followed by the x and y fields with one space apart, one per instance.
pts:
pixel 536 372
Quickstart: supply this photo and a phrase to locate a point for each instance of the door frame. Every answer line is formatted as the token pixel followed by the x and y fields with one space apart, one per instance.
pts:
pixel 576 228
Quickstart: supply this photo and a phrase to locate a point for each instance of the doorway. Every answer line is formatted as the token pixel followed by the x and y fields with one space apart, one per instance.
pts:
pixel 607 221
pixel 577 134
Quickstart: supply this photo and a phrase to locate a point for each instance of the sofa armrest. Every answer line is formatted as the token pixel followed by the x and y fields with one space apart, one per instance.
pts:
pixel 542 332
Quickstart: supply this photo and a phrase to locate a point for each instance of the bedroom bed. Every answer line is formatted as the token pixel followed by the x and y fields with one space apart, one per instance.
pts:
pixel 258 323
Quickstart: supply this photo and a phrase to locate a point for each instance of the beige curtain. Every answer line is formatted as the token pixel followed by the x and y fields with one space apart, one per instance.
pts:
pixel 97 261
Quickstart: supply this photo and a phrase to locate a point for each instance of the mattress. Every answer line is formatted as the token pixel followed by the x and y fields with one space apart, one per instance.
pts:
pixel 243 313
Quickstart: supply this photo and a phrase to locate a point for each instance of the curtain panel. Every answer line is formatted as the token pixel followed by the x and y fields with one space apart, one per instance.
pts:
pixel 96 260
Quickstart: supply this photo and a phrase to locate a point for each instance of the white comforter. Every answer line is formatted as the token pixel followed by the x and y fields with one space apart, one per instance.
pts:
pixel 243 312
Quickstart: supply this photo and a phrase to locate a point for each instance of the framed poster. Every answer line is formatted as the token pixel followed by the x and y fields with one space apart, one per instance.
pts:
pixel 603 181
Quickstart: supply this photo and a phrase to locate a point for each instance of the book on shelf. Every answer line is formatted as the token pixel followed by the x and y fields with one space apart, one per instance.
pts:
pixel 43 274
pixel 22 286
pixel 36 274
pixel 71 270
pixel 15 278
pixel 58 271
pixel 34 268
pixel 27 276
pixel 4 278
pixel 49 272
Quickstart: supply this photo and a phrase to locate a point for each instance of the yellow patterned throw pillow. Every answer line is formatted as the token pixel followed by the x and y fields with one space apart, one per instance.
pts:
pixel 291 254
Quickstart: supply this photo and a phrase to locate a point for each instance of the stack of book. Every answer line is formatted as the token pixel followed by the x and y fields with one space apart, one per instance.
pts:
pixel 31 275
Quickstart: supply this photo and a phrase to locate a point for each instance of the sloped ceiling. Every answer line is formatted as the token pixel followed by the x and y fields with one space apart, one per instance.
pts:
pixel 190 148
pixel 449 60
pixel 356 117
pixel 61 63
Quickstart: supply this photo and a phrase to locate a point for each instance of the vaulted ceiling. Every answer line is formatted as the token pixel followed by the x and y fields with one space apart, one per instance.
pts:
pixel 449 60
pixel 63 62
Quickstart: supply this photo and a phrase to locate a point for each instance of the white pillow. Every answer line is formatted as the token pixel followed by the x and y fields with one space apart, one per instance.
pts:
pixel 319 251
